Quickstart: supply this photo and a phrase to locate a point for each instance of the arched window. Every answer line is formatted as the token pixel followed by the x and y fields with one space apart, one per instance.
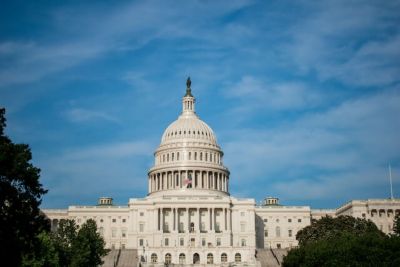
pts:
pixel 201 155
pixel 278 231
pixel 182 258
pixel 190 155
pixel 177 156
pixel 224 257
pixel 167 157
pixel 195 155
pixel 238 257
pixel 206 157
pixel 196 258
pixel 172 159
pixel 154 257
pixel 163 158
pixel 168 258
pixel 210 258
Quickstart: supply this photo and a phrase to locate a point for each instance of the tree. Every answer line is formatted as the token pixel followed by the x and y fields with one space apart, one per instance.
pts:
pixel 344 241
pixel 63 238
pixel 88 246
pixel 20 197
pixel 43 255
pixel 396 225
pixel 328 227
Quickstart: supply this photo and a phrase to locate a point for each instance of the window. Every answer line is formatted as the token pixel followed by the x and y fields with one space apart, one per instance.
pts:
pixel 218 242
pixel 192 227
pixel 122 246
pixel 192 242
pixel 190 155
pixel 141 242
pixel 278 245
pixel 182 258
pixel 114 220
pixel 172 157
pixel 265 220
pixel 166 242
pixel 290 233
pixel 217 227
pixel 243 227
pixel 167 157
pixel 203 227
pixel 289 220
pixel 181 242
pixel 141 214
pixel 242 214
pixel 177 156
pixel 266 233
pixel 123 233
pixel 101 230
pixel 224 257
pixel 195 155
pixel 141 227
pixel 181 227
pixel 299 220
pixel 203 242
pixel 210 258
pixel 101 220
pixel 154 257
pixel 238 257
pixel 201 155
pixel 363 215
pixel 243 242
pixel 277 220
pixel 123 220
pixel 113 233
pixel 168 258
pixel 278 231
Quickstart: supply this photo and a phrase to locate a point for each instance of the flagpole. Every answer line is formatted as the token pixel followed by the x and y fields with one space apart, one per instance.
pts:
pixel 391 185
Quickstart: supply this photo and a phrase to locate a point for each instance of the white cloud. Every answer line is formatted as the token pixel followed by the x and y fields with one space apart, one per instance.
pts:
pixel 84 115
pixel 344 149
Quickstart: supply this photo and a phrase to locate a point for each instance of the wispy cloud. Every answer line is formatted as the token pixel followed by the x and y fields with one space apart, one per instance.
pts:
pixel 85 115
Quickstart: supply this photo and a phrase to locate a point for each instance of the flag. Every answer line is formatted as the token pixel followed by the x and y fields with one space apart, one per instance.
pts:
pixel 188 181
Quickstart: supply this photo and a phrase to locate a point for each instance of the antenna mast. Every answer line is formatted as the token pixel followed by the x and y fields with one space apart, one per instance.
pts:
pixel 391 185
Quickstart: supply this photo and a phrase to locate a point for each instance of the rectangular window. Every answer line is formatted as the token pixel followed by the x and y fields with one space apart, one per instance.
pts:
pixel 141 227
pixel 192 242
pixel 242 214
pixel 243 243
pixel 299 220
pixel 242 227
pixel 289 220
pixel 166 242
pixel 203 242
pixel 123 220
pixel 181 242
pixel 141 214
pixel 266 233
pixel 218 242
pixel 141 242
pixel 123 233
pixel 290 233
pixel 114 220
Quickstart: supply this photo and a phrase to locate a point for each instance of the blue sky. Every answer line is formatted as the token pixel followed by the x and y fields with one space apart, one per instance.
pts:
pixel 304 96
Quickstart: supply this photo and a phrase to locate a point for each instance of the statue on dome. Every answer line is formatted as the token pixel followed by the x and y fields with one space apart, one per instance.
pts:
pixel 188 89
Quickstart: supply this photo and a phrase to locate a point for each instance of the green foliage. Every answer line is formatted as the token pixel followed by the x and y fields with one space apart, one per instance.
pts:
pixel 396 225
pixel 44 254
pixel 88 246
pixel 328 227
pixel 63 239
pixel 344 241
pixel 20 197
pixel 347 249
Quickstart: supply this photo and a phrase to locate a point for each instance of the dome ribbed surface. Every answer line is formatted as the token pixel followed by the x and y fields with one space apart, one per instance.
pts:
pixel 188 127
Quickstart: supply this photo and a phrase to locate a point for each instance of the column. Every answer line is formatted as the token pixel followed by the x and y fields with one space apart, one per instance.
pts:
pixel 162 220
pixel 210 221
pixel 197 227
pixel 225 215
pixel 188 219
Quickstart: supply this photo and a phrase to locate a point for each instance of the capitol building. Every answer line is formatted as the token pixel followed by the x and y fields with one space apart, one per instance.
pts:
pixel 189 218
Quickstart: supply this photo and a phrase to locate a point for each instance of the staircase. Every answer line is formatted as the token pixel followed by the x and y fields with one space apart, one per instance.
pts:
pixel 121 258
pixel 271 258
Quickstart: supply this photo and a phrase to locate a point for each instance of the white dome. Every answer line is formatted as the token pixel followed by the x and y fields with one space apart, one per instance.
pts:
pixel 188 128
